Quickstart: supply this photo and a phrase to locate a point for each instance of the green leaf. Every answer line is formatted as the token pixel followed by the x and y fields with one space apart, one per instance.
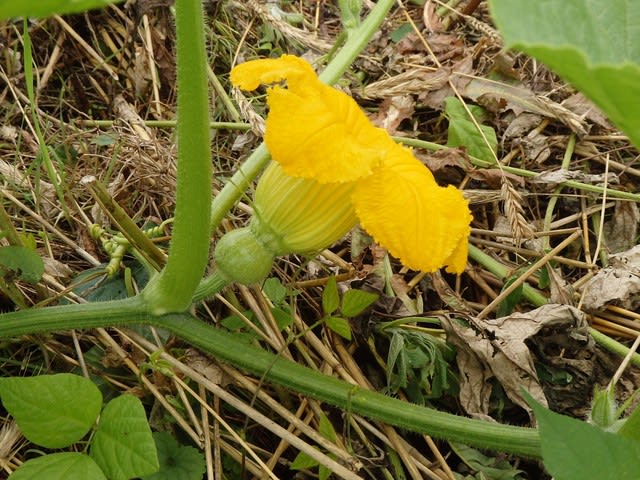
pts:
pixel 463 133
pixel 323 472
pixel 44 8
pixel 507 306
pixel 274 290
pixel 340 326
pixel 59 466
pixel 303 461
pixel 396 352
pixel 401 32
pixel 631 426
pixel 354 302
pixel 123 445
pixel 574 450
pixel 52 411
pixel 325 428
pixel 593 44
pixel 330 296
pixel 176 462
pixel 604 408
pixel 25 263
pixel 488 467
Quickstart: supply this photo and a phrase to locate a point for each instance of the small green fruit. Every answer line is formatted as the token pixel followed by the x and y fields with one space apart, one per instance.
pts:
pixel 241 258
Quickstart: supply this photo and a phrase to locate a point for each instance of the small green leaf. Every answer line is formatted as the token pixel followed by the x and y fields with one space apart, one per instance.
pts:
pixel 282 317
pixel 325 428
pixel 303 461
pixel 489 467
pixel 123 445
pixel 574 450
pixel 354 302
pixel 25 263
pixel 44 8
pixel 340 326
pixel 463 133
pixel 59 466
pixel 176 462
pixel 507 305
pixel 274 290
pixel 103 140
pixel 401 32
pixel 631 426
pixel 396 350
pixel 323 472
pixel 603 408
pixel 330 296
pixel 52 411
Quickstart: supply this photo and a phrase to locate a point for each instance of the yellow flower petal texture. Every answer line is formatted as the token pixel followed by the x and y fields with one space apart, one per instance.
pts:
pixel 250 75
pixel 313 130
pixel 407 212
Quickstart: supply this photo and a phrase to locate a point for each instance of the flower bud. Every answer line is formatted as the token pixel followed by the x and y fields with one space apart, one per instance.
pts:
pixel 298 215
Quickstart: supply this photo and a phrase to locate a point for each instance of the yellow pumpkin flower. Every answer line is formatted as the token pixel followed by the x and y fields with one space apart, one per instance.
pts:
pixel 333 168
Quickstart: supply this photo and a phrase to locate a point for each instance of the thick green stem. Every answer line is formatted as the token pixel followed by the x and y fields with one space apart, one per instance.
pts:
pixel 226 347
pixel 171 291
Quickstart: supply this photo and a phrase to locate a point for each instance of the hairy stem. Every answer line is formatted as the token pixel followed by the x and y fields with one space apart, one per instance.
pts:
pixel 173 289
pixel 226 347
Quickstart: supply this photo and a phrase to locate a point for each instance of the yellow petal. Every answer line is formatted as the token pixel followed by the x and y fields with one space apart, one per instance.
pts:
pixel 458 259
pixel 424 225
pixel 249 75
pixel 314 131
pixel 324 136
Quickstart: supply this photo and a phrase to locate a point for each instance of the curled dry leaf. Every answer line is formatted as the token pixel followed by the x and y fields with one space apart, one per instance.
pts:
pixel 554 178
pixel 498 349
pixel 393 111
pixel 445 158
pixel 621 231
pixel 617 284
pixel 519 99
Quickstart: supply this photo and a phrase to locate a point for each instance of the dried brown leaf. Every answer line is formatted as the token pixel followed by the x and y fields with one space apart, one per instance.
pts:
pixel 617 284
pixel 553 178
pixel 459 78
pixel 520 99
pixel 498 348
pixel 621 231
pixel 493 177
pixel 441 159
pixel 581 105
pixel 393 111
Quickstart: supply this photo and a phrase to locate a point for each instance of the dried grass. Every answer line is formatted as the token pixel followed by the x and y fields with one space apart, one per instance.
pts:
pixel 117 66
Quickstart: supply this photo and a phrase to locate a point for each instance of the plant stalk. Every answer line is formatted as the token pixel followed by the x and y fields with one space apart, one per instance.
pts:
pixel 226 347
pixel 172 289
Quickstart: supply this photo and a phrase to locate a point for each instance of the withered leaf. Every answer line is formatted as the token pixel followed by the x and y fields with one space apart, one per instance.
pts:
pixel 493 177
pixel 393 111
pixel 520 99
pixel 447 157
pixel 621 231
pixel 497 348
pixel 555 177
pixel 617 284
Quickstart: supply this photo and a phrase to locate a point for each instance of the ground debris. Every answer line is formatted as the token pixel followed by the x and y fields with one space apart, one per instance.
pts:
pixel 617 284
pixel 499 349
